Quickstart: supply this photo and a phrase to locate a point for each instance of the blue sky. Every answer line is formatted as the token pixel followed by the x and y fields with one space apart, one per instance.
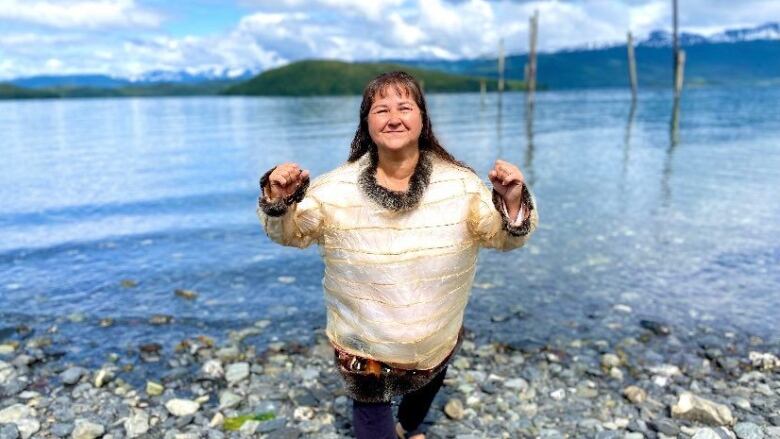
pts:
pixel 129 37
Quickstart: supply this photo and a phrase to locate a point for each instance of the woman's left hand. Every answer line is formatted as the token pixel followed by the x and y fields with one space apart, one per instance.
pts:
pixel 508 181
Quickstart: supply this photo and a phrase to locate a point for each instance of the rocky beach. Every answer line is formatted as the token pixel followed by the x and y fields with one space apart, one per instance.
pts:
pixel 633 378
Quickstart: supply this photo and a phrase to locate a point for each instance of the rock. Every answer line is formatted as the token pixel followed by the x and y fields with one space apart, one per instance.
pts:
pixel 271 425
pixel 665 370
pixel 694 408
pixel 15 413
pixel 128 283
pixel 454 409
pixel 102 377
pixel 711 433
pixel 85 429
pixel 236 372
pixel 228 399
pixel 186 294
pixel 665 426
pixel 609 361
pixel 558 394
pixel 61 429
pixel 182 407
pixel 655 327
pixel 160 319
pixel 137 424
pixel 748 430
pixel 764 361
pixel 154 389
pixel 635 394
pixel 72 375
pixel 616 373
pixel 9 431
pixel 7 348
pixel 249 427
pixel 212 369
pixel 773 432
pixel 303 413
pixel 518 384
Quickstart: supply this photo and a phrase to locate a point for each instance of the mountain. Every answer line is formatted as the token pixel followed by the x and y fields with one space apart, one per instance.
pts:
pixel 743 56
pixel 154 77
pixel 322 77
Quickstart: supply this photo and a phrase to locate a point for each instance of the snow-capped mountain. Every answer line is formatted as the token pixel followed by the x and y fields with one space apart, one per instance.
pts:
pixel 662 38
pixel 192 76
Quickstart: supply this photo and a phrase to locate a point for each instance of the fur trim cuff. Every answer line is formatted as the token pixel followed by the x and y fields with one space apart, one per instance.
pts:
pixel 525 227
pixel 279 208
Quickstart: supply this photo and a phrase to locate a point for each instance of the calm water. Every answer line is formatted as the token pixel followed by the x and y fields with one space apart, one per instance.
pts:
pixel 162 191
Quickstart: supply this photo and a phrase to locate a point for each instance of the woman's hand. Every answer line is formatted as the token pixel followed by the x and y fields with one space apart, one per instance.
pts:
pixel 285 180
pixel 508 181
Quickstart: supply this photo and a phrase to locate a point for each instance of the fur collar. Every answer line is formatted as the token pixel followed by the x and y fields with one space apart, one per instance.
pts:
pixel 398 201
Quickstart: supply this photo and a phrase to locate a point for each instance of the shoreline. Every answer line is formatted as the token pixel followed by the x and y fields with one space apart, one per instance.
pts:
pixel 634 385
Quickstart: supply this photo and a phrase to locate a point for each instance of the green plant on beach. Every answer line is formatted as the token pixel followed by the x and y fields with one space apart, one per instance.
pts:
pixel 235 423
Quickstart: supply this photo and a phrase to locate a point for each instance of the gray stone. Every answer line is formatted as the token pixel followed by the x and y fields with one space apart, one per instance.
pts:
pixel 665 426
pixel 272 425
pixel 61 429
pixel 85 429
pixel 72 375
pixel 9 431
pixel 748 430
pixel 228 399
pixel 137 424
pixel 236 372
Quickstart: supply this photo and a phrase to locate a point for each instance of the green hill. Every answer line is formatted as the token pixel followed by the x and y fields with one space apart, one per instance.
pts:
pixel 9 91
pixel 321 77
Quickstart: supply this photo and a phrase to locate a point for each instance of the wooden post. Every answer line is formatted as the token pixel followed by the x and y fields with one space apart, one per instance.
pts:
pixel 530 68
pixel 675 42
pixel 632 66
pixel 482 91
pixel 679 73
pixel 501 65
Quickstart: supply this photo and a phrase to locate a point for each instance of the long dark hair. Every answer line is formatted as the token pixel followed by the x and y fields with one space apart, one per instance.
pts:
pixel 401 82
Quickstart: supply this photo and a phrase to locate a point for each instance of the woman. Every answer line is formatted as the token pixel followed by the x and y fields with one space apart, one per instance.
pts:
pixel 399 227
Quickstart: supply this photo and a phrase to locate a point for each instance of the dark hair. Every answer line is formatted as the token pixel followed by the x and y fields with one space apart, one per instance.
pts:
pixel 400 82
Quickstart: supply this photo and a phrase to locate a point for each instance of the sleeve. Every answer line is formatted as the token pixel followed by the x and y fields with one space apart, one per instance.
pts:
pixel 295 221
pixel 490 222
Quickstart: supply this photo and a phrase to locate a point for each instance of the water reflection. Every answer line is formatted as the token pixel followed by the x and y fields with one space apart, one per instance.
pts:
pixel 528 163
pixel 674 139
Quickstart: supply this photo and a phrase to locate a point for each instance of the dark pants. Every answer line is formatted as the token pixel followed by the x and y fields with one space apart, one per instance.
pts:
pixel 375 420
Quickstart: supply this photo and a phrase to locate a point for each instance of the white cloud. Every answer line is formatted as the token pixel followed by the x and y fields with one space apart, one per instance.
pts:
pixel 92 14
pixel 279 31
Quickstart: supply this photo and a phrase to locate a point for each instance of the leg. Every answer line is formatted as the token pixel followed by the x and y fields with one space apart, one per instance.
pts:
pixel 415 405
pixel 372 420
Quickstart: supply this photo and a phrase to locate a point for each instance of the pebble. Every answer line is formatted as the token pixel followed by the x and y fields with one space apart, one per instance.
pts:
pixel 694 408
pixel 635 394
pixel 236 372
pixel 182 407
pixel 137 424
pixel 72 375
pixel 86 429
pixel 748 430
pixel 454 409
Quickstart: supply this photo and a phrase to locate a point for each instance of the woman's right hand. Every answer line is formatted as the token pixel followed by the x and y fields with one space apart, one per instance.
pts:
pixel 285 180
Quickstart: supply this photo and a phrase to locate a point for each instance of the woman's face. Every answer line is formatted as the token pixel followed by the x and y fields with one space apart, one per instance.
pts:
pixel 394 121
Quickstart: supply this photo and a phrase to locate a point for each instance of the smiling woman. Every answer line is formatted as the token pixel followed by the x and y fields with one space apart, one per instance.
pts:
pixel 399 225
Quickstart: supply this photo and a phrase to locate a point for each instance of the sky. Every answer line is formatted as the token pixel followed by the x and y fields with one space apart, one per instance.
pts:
pixel 129 37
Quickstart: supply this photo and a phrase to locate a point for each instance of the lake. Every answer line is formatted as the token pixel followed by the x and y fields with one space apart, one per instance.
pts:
pixel 681 226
